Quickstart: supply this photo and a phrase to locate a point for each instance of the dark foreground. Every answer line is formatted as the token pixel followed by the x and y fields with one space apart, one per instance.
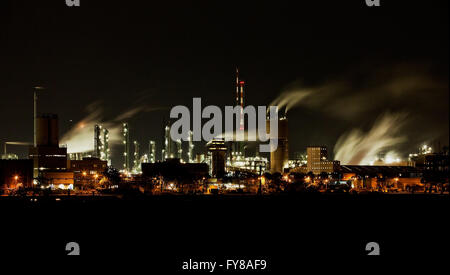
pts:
pixel 290 232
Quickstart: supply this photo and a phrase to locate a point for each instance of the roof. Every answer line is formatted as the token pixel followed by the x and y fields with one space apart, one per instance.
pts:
pixel 372 170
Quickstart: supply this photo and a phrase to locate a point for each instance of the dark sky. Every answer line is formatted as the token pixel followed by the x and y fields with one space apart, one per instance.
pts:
pixel 126 54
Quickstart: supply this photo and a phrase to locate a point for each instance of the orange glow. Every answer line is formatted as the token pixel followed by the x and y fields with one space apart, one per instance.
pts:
pixel 84 173
pixel 16 177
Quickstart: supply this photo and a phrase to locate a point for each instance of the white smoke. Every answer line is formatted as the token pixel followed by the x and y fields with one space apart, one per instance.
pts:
pixel 359 148
pixel 80 138
pixel 391 157
pixel 291 98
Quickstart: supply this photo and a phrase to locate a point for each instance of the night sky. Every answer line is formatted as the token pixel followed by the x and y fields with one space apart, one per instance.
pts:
pixel 117 56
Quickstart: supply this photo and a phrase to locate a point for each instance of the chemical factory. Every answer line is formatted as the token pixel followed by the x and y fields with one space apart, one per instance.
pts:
pixel 220 163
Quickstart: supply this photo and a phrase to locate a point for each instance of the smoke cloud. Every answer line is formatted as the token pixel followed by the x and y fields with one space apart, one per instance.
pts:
pixel 368 97
pixel 80 138
pixel 361 148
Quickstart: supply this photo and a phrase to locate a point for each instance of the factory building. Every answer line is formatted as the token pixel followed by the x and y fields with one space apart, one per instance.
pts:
pixel 49 159
pixel 279 158
pixel 126 147
pixel 87 170
pixel 255 165
pixel 10 156
pixel 218 151
pixel 317 160
pixel 47 154
pixel 376 177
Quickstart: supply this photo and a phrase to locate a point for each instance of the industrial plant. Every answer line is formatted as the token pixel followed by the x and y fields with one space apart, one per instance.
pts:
pixel 219 166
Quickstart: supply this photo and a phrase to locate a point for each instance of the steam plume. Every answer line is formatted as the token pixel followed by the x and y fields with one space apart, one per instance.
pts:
pixel 81 137
pixel 359 148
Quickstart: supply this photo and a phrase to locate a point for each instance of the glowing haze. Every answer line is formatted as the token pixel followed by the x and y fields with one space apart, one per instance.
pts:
pixel 356 98
pixel 358 147
pixel 80 138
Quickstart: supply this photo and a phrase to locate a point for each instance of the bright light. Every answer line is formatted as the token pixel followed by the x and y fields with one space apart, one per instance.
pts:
pixel 16 177
pixel 84 173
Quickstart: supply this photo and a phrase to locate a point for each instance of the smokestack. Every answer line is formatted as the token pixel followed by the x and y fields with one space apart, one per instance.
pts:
pixel 36 89
pixel 238 146
pixel 237 86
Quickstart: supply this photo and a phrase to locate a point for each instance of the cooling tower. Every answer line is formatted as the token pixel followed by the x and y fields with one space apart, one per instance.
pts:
pixel 47 130
pixel 279 158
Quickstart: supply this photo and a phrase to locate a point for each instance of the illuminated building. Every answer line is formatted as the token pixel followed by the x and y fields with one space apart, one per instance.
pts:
pixel 374 177
pixel 256 165
pixel 300 160
pixel 9 156
pixel 6 155
pixel 279 158
pixel 200 158
pixel 317 160
pixel 47 154
pixel 218 151
pixel 85 170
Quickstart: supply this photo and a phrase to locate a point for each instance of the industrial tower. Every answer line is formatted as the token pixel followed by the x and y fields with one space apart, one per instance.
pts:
pixel 105 154
pixel 126 147
pixel 190 148
pixel 238 146
pixel 152 151
pixel 137 158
